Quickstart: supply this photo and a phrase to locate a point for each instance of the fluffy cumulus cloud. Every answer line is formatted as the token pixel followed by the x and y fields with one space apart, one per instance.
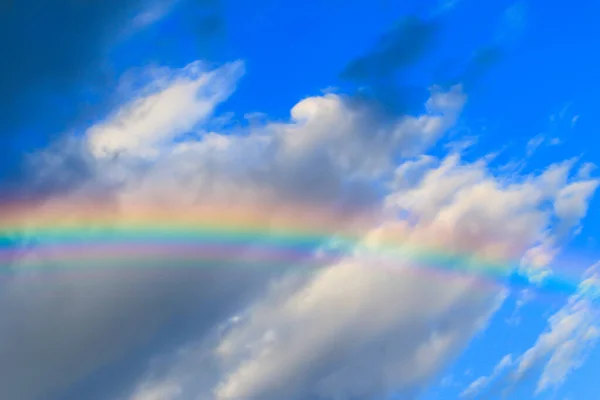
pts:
pixel 356 329
pixel 358 326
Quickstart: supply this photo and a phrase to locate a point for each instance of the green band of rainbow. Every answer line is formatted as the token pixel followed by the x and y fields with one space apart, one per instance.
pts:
pixel 243 238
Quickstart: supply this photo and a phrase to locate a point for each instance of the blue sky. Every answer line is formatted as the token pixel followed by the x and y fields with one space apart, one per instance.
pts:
pixel 444 110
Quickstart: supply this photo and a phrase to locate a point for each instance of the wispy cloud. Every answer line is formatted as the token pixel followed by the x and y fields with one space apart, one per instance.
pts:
pixel 571 334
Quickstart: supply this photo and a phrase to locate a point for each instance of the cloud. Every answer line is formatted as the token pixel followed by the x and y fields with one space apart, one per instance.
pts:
pixel 540 140
pixel 586 169
pixel 570 197
pixel 61 72
pixel 572 203
pixel 187 97
pixel 346 329
pixel 524 297
pixel 52 48
pixel 159 392
pixel 574 120
pixel 152 13
pixel 313 351
pixel 571 333
pixel 361 142
pixel 54 56
pixel 534 143
pixel 75 324
pixel 481 383
pixel 377 72
pixel 335 334
pixel 400 48
pixel 508 30
pixel 358 348
pixel 513 22
pixel 563 347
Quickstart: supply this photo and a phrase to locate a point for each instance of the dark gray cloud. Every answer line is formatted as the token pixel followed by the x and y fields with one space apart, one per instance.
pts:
pixel 61 326
pixel 51 46
pixel 50 49
pixel 481 62
pixel 469 71
pixel 378 72
pixel 56 71
pixel 381 75
pixel 401 47
pixel 472 69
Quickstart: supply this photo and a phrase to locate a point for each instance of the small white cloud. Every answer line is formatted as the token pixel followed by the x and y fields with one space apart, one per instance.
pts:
pixel 534 143
pixel 460 146
pixel 447 381
pixel 524 297
pixel 185 98
pixel 162 391
pixel 585 171
pixel 536 261
pixel 157 10
pixel 541 140
pixel 554 141
pixel 481 383
pixel 513 22
pixel 572 203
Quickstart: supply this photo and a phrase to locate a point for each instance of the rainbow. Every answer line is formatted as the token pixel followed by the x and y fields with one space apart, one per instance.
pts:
pixel 85 237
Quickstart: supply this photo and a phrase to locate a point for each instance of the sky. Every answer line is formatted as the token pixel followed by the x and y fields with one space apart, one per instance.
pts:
pixel 318 200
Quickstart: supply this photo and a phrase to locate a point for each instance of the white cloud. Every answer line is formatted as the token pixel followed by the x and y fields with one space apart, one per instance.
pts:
pixel 481 383
pixel 571 333
pixel 253 169
pixel 563 347
pixel 336 335
pixel 540 140
pixel 585 170
pixel 162 391
pixel 411 172
pixel 570 199
pixel 536 261
pixel 534 143
pixel 355 141
pixel 184 99
pixel 572 203
pixel 524 297
pixel 342 341
pixel 348 328
pixel 157 10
